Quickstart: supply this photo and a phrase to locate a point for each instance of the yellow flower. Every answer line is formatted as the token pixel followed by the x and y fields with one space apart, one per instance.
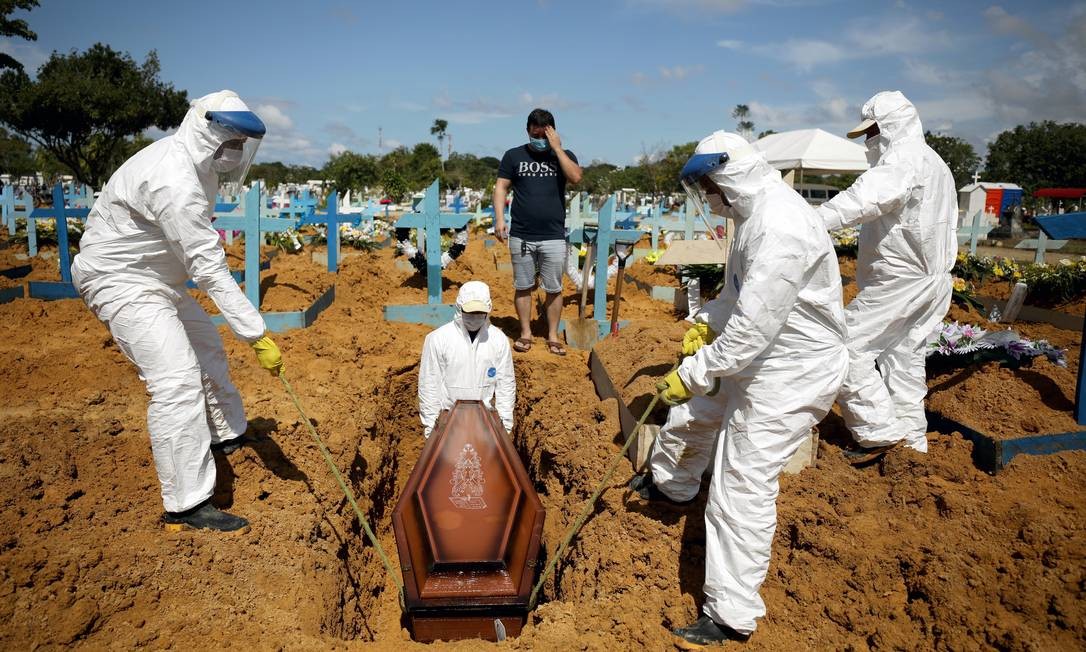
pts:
pixel 653 256
pixel 959 284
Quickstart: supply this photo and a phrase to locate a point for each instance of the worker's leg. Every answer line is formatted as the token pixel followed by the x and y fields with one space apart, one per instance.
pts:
pixel 684 447
pixel 225 412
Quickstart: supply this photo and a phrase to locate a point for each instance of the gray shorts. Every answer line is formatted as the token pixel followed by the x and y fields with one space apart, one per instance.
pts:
pixel 543 258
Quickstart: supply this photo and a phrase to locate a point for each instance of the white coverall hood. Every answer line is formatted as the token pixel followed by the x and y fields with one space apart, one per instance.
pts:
pixel 779 357
pixel 906 205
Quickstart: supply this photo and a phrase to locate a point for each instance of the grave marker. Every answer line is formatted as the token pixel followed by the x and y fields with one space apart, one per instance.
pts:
pixel 429 218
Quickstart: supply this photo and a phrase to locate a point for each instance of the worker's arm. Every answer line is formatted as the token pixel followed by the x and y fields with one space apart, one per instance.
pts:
pixel 570 169
pixel 186 224
pixel 505 391
pixel 429 385
pixel 882 190
pixel 501 190
pixel 772 272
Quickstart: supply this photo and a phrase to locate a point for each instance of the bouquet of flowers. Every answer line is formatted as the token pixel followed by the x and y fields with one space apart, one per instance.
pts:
pixel 958 345
pixel 846 241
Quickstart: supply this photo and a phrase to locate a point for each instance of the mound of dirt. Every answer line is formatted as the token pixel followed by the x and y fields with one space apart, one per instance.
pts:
pixel 919 552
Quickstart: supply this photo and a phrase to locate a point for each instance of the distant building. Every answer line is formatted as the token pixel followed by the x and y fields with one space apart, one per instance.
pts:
pixel 993 198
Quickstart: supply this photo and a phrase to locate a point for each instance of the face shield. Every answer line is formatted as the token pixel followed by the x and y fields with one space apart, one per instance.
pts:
pixel 241 133
pixel 694 177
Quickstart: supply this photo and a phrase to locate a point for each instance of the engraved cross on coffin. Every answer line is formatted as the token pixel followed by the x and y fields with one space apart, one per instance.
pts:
pixel 468 526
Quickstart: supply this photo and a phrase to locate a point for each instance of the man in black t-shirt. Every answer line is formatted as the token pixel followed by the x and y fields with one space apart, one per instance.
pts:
pixel 537 172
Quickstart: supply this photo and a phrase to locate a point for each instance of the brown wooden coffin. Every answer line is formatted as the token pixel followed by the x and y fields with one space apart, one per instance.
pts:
pixel 468 527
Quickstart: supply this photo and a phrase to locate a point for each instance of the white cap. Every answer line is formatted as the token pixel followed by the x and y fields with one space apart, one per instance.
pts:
pixel 861 128
pixel 474 296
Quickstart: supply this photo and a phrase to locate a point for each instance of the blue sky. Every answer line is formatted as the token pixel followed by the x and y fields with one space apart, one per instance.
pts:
pixel 623 77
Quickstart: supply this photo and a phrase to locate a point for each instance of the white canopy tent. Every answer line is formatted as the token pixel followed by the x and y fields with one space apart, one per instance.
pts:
pixel 814 151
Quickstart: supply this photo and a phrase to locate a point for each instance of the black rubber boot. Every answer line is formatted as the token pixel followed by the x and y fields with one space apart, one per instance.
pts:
pixel 704 631
pixel 861 456
pixel 204 516
pixel 230 446
pixel 643 486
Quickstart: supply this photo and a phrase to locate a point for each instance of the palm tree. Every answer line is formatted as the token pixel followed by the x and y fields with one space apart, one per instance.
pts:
pixel 744 126
pixel 439 130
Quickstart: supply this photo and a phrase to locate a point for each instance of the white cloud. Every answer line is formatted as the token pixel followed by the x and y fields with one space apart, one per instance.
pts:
pixel 274 117
pixel 923 72
pixel 474 117
pixel 1004 23
pixel 729 44
pixel 28 54
pixel 335 149
pixel 861 39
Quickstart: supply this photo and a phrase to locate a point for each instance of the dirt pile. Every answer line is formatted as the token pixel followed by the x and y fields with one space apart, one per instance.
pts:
pixel 919 552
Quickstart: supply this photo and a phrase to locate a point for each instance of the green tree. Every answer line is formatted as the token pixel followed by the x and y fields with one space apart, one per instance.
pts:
pixel 439 129
pixel 423 166
pixel 350 171
pixel 17 28
pixel 1039 155
pixel 767 132
pixel 958 155
pixel 394 184
pixel 16 156
pixel 83 107
pixel 743 125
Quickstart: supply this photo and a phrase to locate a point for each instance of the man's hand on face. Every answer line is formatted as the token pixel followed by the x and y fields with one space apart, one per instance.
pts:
pixel 553 139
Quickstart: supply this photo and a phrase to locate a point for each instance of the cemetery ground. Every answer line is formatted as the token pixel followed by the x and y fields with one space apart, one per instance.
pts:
pixel 915 552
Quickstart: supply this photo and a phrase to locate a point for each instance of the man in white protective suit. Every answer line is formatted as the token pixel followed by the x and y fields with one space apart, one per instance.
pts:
pixel 467 359
pixel 907 206
pixel 147 234
pixel 765 361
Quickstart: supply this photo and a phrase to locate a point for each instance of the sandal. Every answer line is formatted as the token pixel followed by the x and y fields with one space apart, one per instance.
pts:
pixel 555 347
pixel 522 344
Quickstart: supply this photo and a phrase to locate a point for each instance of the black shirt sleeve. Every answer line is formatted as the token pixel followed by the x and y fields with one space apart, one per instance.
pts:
pixel 507 168
pixel 572 157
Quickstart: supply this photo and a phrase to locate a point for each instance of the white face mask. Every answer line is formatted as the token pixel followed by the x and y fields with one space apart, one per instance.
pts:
pixel 473 321
pixel 226 160
pixel 876 147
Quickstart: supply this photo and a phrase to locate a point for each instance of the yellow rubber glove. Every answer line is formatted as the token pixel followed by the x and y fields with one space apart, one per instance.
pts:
pixel 672 390
pixel 267 353
pixel 698 336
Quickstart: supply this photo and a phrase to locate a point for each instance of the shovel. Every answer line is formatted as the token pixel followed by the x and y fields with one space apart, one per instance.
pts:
pixel 582 333
pixel 622 252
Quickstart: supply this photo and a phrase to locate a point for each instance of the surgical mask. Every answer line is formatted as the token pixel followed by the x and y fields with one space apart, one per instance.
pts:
pixel 227 160
pixel 539 144
pixel 474 321
pixel 876 147
pixel 717 205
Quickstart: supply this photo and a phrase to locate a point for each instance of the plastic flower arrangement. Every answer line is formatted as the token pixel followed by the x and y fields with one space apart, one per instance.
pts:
pixel 958 345
pixel 846 241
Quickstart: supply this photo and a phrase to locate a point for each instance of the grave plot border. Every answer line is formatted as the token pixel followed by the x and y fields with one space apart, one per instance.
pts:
pixel 993 455
pixel 290 320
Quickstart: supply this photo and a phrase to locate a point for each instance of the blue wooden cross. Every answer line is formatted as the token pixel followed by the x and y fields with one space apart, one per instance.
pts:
pixel 606 236
pixel 457 203
pixel 300 206
pixel 79 195
pixel 61 214
pixel 1067 227
pixel 332 219
pixel 686 220
pixel 254 225
pixel 429 217
pixel 12 207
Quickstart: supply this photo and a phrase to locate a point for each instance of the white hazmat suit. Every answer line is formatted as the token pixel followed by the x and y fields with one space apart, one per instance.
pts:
pixel 456 367
pixel 907 204
pixel 147 234
pixel 779 359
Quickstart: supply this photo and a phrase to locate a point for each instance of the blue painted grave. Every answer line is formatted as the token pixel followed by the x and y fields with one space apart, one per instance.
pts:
pixel 61 214
pixel 331 218
pixel 14 205
pixel 993 454
pixel 607 235
pixel 685 221
pixel 428 220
